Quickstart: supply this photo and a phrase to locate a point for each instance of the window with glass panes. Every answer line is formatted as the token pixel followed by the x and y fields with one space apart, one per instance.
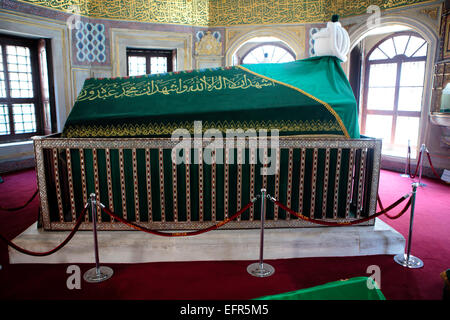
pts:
pixel 268 53
pixel 149 61
pixel 19 89
pixel 393 89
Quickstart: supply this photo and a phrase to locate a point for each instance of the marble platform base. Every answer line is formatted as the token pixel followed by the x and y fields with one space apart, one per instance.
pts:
pixel 138 247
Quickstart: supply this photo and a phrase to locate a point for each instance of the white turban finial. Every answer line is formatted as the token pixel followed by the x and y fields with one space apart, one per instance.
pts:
pixel 332 40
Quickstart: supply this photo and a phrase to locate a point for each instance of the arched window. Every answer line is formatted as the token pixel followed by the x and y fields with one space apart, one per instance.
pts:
pixel 268 53
pixel 393 89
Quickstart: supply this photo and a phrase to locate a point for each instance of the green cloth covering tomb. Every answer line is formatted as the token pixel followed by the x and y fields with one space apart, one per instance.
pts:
pixel 304 97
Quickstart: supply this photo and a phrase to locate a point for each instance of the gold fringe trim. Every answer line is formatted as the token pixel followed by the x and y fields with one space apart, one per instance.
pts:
pixel 120 130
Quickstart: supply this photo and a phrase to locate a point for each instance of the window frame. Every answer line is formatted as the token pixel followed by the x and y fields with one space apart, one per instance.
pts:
pixel 32 45
pixel 170 54
pixel 399 60
pixel 46 45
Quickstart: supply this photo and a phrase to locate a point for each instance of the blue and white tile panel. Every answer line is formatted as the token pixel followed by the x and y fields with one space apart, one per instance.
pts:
pixel 90 42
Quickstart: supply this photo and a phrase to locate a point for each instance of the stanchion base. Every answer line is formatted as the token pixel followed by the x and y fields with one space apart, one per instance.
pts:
pixel 412 263
pixel 405 175
pixel 261 271
pixel 92 276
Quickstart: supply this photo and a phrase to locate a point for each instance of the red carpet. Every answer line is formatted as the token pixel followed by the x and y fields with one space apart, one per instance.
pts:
pixel 229 280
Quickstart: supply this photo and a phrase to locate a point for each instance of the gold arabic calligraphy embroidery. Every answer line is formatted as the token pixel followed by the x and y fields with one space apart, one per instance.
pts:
pixel 115 90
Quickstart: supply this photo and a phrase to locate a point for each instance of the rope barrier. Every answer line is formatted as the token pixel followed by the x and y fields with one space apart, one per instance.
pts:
pixel 405 208
pixel 438 156
pixel 431 165
pixel 176 234
pixel 22 206
pixel 131 224
pixel 379 202
pixel 210 228
pixel 417 166
pixel 432 168
pixel 60 246
pixel 338 224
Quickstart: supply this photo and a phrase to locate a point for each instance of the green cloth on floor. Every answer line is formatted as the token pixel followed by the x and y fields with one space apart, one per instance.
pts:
pixel 304 97
pixel 358 288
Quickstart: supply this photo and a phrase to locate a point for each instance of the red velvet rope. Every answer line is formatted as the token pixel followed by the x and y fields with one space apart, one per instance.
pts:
pixel 432 168
pixel 398 215
pixel 438 156
pixel 431 165
pixel 346 223
pixel 176 234
pixel 22 206
pixel 417 166
pixel 60 246
pixel 379 202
